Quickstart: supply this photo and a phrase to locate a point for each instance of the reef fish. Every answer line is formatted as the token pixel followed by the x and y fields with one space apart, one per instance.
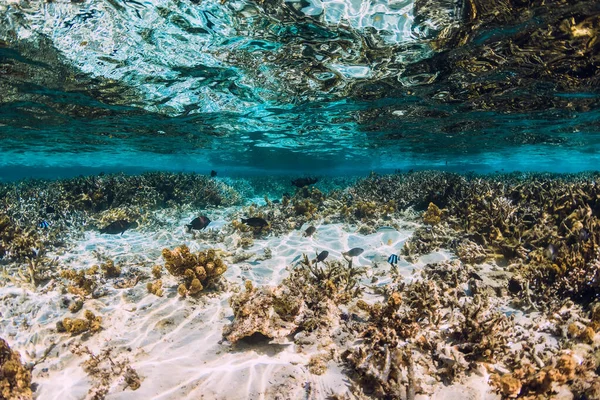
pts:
pixel 44 224
pixel 550 252
pixel 355 252
pixel 322 256
pixel 116 227
pixel 310 230
pixel 199 223
pixel 393 259
pixel 213 173
pixel 301 182
pixel 50 210
pixel 255 222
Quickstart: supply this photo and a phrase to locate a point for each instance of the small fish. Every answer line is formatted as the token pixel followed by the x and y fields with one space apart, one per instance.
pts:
pixel 276 201
pixel 355 252
pixel 301 182
pixel 255 222
pixel 393 259
pixel 584 234
pixel 50 210
pixel 213 173
pixel 198 223
pixel 475 275
pixel 550 252
pixel 322 256
pixel 44 224
pixel 309 231
pixel 119 226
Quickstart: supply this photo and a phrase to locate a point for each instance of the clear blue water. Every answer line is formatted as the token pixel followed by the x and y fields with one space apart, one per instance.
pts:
pixel 310 86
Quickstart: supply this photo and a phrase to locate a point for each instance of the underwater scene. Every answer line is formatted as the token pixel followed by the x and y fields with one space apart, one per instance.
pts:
pixel 299 199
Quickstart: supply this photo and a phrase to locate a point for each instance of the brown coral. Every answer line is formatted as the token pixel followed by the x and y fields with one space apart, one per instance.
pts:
pixel 198 271
pixel 110 270
pixel 433 215
pixel 77 326
pixel 15 379
pixel 155 288
pixel 272 312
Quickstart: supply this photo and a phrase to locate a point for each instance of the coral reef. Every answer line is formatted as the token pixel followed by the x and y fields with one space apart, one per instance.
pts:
pixel 272 312
pixel 155 288
pixel 104 369
pixel 433 215
pixel 110 270
pixel 15 379
pixel 90 322
pixel 307 300
pixel 81 284
pixel 198 271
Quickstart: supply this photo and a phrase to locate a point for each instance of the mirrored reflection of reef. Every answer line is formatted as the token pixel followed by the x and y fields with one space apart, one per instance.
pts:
pixel 446 80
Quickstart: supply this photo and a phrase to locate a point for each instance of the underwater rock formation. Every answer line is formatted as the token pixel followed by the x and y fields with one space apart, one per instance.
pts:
pixel 272 312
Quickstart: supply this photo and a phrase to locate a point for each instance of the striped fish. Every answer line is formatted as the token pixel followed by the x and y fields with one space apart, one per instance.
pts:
pixel 393 259
pixel 44 224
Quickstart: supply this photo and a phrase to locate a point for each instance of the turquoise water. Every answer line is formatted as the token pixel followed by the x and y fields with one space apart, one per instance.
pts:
pixel 321 87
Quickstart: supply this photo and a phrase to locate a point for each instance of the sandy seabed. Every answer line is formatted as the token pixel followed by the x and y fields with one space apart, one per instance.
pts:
pixel 175 344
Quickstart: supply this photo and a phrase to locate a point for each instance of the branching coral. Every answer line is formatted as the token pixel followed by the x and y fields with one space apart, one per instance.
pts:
pixel 433 215
pixel 409 324
pixel 15 379
pixel 307 299
pixel 103 369
pixel 198 271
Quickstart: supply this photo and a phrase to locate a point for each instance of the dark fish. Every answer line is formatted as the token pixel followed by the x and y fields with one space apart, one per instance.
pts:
pixel 357 251
pixel 50 210
pixel 199 223
pixel 44 224
pixel 309 231
pixel 118 226
pixel 301 182
pixel 584 234
pixel 255 222
pixel 277 201
pixel 550 252
pixel 213 173
pixel 475 275
pixel 393 259
pixel 322 256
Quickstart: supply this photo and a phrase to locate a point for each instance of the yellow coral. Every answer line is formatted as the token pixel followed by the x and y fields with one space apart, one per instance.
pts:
pixel 433 215
pixel 155 288
pixel 197 270
pixel 81 284
pixel 77 326
pixel 110 269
